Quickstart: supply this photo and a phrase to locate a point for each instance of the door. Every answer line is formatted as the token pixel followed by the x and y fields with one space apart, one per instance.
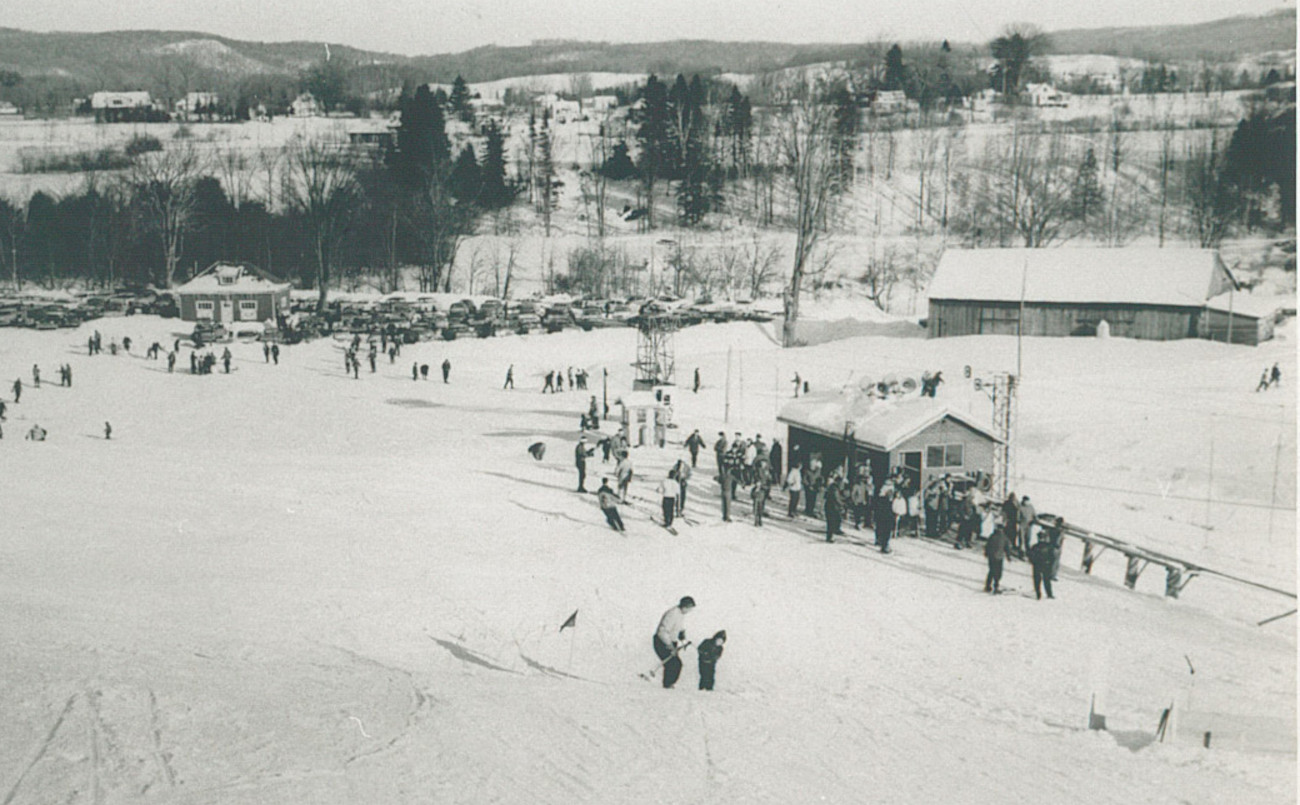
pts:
pixel 912 467
pixel 227 311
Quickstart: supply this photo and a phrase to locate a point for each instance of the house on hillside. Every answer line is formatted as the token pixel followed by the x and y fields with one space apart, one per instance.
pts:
pixel 602 103
pixel 198 104
pixel 1147 293
pixel 305 105
pixel 231 292
pixel 922 435
pixel 1046 95
pixel 7 109
pixel 121 107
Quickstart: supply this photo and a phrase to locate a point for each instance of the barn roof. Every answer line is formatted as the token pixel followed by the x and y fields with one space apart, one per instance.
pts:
pixel 881 424
pixel 1146 276
pixel 232 278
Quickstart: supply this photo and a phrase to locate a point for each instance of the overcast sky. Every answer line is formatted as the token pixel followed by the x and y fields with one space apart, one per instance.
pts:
pixel 441 26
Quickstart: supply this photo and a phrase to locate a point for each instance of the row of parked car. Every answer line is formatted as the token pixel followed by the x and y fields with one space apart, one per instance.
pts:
pixel 52 313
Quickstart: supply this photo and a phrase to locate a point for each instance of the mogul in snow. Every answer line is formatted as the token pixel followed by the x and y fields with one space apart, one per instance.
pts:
pixel 670 638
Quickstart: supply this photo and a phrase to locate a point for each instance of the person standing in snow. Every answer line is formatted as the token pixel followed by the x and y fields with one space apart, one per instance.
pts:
pixel 108 431
pixel 681 472
pixel 623 474
pixel 720 450
pixel 762 490
pixel 1011 522
pixel 667 490
pixel 693 443
pixel 424 371
pixel 797 383
pixel 1025 517
pixel 446 369
pixel 609 505
pixel 670 638
pixel 266 352
pixel 1055 533
pixel 885 517
pixel 794 485
pixel 171 362
pixel 834 506
pixel 997 549
pixel 1263 381
pixel 696 389
pixel 415 371
pixel 860 500
pixel 36 376
pixel 225 359
pixel 510 378
pixel 774 457
pixel 275 354
pixel 710 652
pixel 18 389
pixel 1042 556
pixel 550 383
pixel 580 454
pixel 1275 376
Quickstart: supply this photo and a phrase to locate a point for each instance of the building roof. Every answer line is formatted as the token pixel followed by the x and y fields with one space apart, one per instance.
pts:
pixel 232 278
pixel 876 423
pixel 1148 276
pixel 1247 304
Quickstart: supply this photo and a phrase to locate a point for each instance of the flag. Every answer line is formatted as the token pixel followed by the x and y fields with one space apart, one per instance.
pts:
pixel 572 621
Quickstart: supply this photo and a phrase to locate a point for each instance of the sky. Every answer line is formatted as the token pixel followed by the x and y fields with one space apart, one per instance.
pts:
pixel 414 27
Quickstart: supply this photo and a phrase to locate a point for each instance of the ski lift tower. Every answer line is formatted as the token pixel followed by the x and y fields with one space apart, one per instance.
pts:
pixel 655 361
pixel 1001 389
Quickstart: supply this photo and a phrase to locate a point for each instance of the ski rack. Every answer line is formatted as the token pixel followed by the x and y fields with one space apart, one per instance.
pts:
pixel 1178 572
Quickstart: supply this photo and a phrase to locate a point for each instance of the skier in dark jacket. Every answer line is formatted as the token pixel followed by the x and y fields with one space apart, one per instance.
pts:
pixel 710 651
pixel 581 452
pixel 997 549
pixel 834 507
pixel 1043 556
pixel 446 369
pixel 609 505
pixel 693 443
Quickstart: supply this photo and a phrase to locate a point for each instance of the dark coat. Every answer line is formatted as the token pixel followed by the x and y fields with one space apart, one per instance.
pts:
pixel 710 650
pixel 1042 555
pixel 998 546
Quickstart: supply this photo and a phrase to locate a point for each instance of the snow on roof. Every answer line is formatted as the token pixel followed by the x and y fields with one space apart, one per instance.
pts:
pixel 1152 276
pixel 1246 304
pixel 881 424
pixel 231 278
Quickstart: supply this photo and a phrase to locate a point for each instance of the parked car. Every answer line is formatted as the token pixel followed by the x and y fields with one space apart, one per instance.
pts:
pixel 208 332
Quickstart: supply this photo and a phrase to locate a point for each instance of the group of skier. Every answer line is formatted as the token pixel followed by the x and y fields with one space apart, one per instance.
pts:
pixel 1269 378
pixel 554 382
pixel 670 640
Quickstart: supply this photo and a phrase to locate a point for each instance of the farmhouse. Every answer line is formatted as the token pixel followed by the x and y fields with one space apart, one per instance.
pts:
pixel 197 104
pixel 920 434
pixel 121 107
pixel 227 292
pixel 305 105
pixel 1046 95
pixel 1147 293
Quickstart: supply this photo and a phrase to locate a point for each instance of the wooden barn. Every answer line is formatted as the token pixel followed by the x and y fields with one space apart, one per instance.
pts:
pixel 230 292
pixel 920 434
pixel 1147 293
pixel 1238 318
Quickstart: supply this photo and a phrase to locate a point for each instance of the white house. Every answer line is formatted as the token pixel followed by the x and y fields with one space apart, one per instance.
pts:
pixel 602 103
pixel 1046 95
pixel 120 100
pixel 305 105
pixel 195 103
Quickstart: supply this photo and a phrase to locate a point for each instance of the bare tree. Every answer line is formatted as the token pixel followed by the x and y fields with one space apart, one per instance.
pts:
pixel 805 137
pixel 320 183
pixel 163 186
pixel 761 264
pixel 233 166
pixel 441 225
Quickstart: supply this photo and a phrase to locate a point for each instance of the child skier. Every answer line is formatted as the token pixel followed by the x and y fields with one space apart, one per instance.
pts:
pixel 710 651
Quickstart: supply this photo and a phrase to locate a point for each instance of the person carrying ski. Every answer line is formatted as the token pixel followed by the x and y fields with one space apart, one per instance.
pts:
pixel 670 638
pixel 1042 556
pixel 667 490
pixel 710 651
pixel 693 443
pixel 446 369
pixel 608 502
pixel 580 455
pixel 997 549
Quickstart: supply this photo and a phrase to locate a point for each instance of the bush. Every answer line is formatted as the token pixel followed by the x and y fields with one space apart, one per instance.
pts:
pixel 142 144
pixel 104 159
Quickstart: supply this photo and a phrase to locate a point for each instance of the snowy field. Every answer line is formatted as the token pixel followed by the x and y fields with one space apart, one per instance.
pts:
pixel 284 585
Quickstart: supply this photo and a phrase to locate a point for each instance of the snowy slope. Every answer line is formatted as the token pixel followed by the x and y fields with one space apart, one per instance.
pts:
pixel 285 585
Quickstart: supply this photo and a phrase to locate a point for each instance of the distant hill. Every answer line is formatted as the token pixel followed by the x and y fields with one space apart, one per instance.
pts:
pixel 1220 40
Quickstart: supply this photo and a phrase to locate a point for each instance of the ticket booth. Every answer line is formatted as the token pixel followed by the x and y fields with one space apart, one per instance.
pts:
pixel 644 416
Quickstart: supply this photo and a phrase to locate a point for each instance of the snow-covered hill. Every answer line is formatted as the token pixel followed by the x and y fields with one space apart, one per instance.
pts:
pixel 287 585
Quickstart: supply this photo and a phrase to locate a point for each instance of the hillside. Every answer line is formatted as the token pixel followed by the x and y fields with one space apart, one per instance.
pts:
pixel 1219 40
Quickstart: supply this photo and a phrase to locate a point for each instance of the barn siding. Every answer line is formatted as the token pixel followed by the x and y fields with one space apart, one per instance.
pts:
pixel 1152 323
pixel 1246 329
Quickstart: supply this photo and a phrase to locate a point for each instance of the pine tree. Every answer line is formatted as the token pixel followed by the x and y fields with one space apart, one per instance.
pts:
pixel 652 136
pixel 1086 196
pixel 619 165
pixel 422 145
pixel 495 193
pixel 895 72
pixel 459 100
pixel 465 180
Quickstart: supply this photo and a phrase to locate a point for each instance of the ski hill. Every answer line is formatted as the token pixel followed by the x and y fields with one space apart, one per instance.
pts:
pixel 287 585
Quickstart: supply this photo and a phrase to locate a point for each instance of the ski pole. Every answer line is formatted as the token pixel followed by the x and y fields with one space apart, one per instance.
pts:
pixel 655 670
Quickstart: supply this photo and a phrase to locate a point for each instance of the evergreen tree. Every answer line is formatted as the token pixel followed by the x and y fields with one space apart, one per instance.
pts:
pixel 1086 196
pixel 422 146
pixel 495 193
pixel 844 138
pixel 619 165
pixel 652 137
pixel 459 100
pixel 895 72
pixel 465 180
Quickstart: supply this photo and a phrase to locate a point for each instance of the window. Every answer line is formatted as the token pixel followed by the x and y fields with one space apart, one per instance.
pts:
pixel 248 309
pixel 943 455
pixel 203 310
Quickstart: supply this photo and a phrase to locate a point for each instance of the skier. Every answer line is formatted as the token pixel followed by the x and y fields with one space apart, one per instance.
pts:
pixel 36 376
pixel 609 505
pixel 797 382
pixel 1263 382
pixel 171 362
pixel 550 383
pixel 710 651
pixel 834 506
pixel 996 550
pixel 266 352
pixel 18 390
pixel 446 369
pixel 670 638
pixel 667 489
pixel 108 431
pixel 794 484
pixel 623 473
pixel 225 359
pixel 424 371
pixel 693 443
pixel 1042 556
pixel 580 454
pixel 1275 376
pixel 510 378
pixel 697 380
pixel 775 457
pixel 275 354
